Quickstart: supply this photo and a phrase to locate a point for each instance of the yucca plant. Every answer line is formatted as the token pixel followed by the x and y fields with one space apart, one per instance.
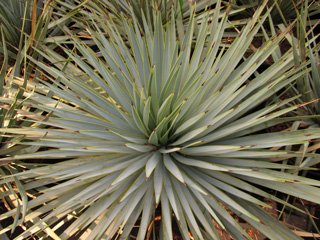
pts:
pixel 115 8
pixel 8 113
pixel 303 40
pixel 27 23
pixel 103 11
pixel 23 25
pixel 305 46
pixel 158 126
pixel 19 17
pixel 284 10
pixel 10 118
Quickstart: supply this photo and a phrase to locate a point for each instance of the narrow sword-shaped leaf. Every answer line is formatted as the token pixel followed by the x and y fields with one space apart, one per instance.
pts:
pixel 152 163
pixel 172 167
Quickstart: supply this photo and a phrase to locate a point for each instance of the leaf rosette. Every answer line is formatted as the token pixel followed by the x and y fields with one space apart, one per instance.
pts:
pixel 161 121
